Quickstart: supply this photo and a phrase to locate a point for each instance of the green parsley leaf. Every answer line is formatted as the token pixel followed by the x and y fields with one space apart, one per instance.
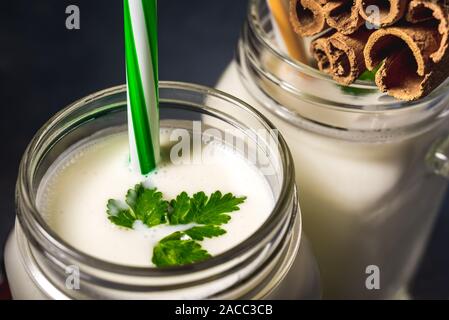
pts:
pixel 180 212
pixel 196 233
pixel 201 232
pixel 147 205
pixel 202 209
pixel 178 252
pixel 174 236
pixel 182 247
pixel 213 210
pixel 119 215
pixel 174 250
pixel 370 75
pixel 367 75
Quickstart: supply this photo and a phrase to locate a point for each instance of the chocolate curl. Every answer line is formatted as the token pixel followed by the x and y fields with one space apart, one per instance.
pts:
pixel 343 15
pixel 320 51
pixel 424 11
pixel 389 11
pixel 346 55
pixel 307 17
pixel 408 72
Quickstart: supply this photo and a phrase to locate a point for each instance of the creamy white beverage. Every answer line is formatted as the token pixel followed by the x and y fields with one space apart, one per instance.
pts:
pixel 75 191
pixel 365 204
pixel 89 227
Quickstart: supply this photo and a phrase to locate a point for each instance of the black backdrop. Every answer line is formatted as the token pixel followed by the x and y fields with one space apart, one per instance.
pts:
pixel 44 67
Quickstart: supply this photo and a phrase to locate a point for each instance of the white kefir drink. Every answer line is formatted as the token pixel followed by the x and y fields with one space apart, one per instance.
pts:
pixel 217 218
pixel 366 190
pixel 363 203
pixel 73 197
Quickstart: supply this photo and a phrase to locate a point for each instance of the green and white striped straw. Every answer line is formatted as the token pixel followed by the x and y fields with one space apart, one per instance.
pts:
pixel 142 78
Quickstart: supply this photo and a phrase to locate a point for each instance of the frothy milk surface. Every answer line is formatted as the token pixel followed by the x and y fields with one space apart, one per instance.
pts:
pixel 73 196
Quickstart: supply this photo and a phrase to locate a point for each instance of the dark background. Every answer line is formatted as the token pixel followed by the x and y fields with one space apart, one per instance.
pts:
pixel 44 67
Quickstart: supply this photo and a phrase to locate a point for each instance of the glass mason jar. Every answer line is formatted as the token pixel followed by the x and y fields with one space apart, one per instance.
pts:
pixel 275 262
pixel 370 167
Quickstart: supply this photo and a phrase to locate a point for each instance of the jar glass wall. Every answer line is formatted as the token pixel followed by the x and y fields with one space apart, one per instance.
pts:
pixel 365 161
pixel 273 262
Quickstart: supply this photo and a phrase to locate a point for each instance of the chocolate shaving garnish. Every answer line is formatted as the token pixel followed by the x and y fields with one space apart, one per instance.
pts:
pixel 307 17
pixel 408 72
pixel 389 11
pixel 346 55
pixel 343 15
pixel 426 11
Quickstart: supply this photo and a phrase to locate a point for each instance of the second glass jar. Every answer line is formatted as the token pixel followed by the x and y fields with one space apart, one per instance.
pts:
pixel 365 162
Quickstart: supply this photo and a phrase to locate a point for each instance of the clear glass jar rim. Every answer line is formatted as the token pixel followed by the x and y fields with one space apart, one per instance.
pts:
pixel 31 216
pixel 255 24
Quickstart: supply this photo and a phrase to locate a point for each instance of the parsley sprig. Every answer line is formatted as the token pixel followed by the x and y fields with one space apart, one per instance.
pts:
pixel 208 213
pixel 143 204
pixel 182 247
pixel 202 209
